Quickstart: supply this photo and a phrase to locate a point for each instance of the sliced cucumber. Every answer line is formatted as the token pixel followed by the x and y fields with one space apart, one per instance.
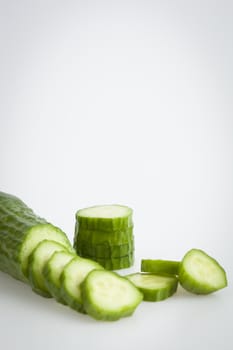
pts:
pixel 108 296
pixel 37 260
pixel 154 287
pixel 160 266
pixel 105 217
pixel 122 262
pixel 201 274
pixel 52 272
pixel 71 278
pixel 105 250
pixel 20 232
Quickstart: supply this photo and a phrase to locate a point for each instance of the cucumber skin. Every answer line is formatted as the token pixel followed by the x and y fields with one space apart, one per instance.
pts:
pixel 190 284
pixel 17 220
pixel 104 250
pixel 160 266
pixel 119 263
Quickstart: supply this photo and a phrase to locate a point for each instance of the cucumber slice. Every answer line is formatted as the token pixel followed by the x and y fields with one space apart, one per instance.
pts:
pixel 37 260
pixel 122 262
pixel 105 250
pixel 154 287
pixel 108 296
pixel 160 266
pixel 105 217
pixel 201 274
pixel 71 278
pixel 94 237
pixel 52 272
pixel 20 232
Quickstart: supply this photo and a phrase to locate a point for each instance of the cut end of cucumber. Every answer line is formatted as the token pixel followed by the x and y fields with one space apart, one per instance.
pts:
pixel 200 273
pixel 108 296
pixel 35 236
pixel 105 211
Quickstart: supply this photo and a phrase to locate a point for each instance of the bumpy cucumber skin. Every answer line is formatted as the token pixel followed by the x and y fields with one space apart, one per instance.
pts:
pixel 191 284
pixel 159 294
pixel 96 311
pixel 73 303
pixel 119 263
pixel 105 250
pixel 160 266
pixel 17 221
pixel 53 286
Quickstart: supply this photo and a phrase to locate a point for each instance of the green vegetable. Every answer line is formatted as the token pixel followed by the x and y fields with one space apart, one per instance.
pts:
pixel 160 266
pixel 37 260
pixel 20 232
pixel 108 296
pixel 71 278
pixel 52 272
pixel 105 234
pixel 154 287
pixel 201 274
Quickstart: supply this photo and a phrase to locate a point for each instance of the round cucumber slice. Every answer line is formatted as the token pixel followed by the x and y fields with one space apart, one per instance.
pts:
pixel 105 217
pixel 108 296
pixel 52 272
pixel 71 278
pixel 37 260
pixel 160 266
pixel 154 287
pixel 199 273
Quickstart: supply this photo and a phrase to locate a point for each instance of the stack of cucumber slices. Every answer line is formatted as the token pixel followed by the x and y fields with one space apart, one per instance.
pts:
pixel 40 254
pixel 105 234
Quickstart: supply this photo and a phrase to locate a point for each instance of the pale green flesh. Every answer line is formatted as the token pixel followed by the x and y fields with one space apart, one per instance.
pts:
pixel 56 264
pixel 105 211
pixel 203 269
pixel 38 259
pixel 150 281
pixel 74 274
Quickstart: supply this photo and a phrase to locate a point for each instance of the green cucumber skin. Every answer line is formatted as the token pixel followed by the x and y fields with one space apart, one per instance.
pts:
pixel 160 266
pixel 17 221
pixel 119 263
pixel 105 250
pixel 94 237
pixel 190 284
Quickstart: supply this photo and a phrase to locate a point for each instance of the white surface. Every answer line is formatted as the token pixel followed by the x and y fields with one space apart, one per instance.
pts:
pixel 125 102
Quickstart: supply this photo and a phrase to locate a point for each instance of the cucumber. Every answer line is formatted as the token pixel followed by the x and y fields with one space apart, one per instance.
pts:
pixel 160 266
pixel 105 218
pixel 108 296
pixel 37 260
pixel 199 273
pixel 105 250
pixel 122 262
pixel 52 272
pixel 71 278
pixel 105 234
pixel 20 232
pixel 154 287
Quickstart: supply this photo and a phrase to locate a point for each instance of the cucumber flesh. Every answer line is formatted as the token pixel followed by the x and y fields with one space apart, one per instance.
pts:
pixel 71 278
pixel 37 260
pixel 108 296
pixel 52 272
pixel 199 273
pixel 160 266
pixel 154 287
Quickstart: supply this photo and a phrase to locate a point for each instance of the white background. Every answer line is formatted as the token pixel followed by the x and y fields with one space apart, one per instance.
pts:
pixel 125 102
